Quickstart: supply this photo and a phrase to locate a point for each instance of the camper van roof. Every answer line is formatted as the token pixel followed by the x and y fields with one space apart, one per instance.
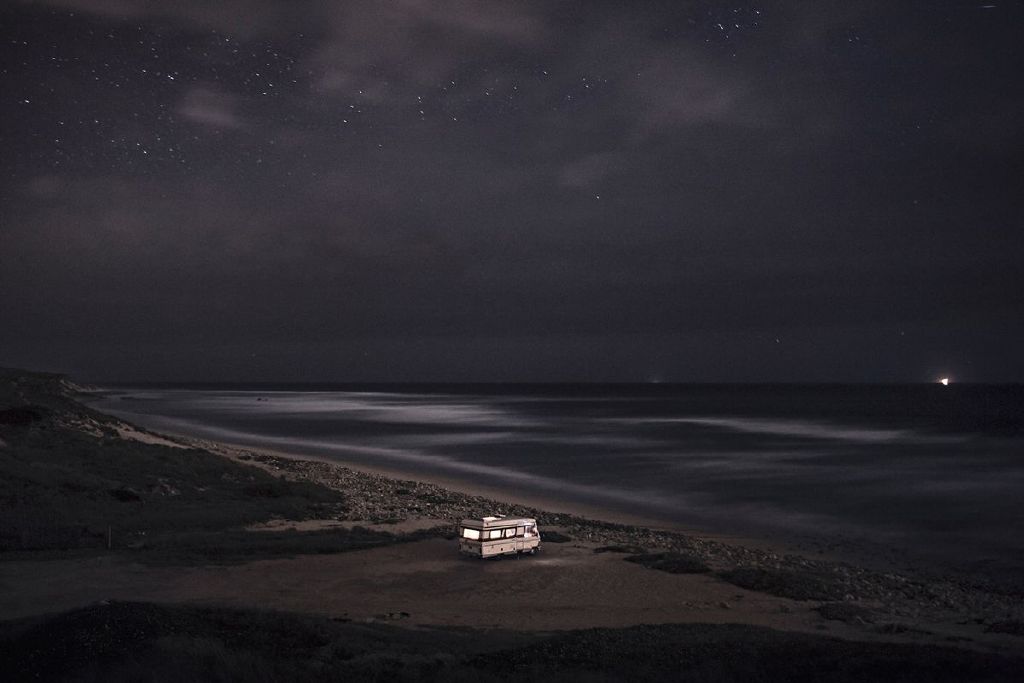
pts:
pixel 491 522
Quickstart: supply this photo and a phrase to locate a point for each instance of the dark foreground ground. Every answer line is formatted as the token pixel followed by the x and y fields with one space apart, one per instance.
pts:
pixel 138 641
pixel 79 489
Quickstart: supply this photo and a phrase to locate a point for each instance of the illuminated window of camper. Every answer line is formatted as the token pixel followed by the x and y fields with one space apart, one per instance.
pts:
pixel 510 532
pixel 494 533
pixel 471 534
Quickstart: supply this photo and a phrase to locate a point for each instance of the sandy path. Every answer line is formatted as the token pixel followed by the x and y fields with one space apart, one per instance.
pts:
pixel 564 587
pixel 567 586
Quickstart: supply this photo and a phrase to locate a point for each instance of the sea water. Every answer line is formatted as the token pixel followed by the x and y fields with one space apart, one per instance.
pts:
pixel 926 471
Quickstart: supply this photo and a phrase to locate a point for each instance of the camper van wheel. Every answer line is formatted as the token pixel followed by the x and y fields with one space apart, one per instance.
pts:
pixel 533 551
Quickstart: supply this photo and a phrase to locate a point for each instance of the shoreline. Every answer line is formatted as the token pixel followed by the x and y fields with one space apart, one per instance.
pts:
pixel 754 549
pixel 503 498
pixel 500 496
pixel 803 508
pixel 811 548
pixel 579 581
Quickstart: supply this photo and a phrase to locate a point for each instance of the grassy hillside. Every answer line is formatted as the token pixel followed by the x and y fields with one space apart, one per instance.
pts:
pixel 70 482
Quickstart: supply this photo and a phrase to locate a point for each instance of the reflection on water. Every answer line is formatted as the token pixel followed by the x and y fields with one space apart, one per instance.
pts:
pixel 935 470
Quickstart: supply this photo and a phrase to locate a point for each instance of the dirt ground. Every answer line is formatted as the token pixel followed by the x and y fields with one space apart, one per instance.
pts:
pixel 566 586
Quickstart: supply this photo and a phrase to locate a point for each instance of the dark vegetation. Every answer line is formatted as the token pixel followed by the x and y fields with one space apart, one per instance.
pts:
pixel 20 416
pixel 68 482
pixel 846 612
pixel 624 549
pixel 673 563
pixel 554 537
pixel 146 642
pixel 785 583
pixel 734 652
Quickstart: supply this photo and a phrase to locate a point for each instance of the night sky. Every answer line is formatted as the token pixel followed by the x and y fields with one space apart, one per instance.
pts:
pixel 508 191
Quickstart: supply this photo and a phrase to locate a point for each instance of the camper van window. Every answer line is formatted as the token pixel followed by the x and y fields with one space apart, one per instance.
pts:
pixel 471 533
pixel 510 532
pixel 494 533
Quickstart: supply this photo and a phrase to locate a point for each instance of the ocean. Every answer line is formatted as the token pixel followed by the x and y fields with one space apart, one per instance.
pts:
pixel 926 473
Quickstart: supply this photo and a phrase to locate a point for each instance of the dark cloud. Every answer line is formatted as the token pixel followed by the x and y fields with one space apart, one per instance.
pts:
pixel 209 107
pixel 428 190
pixel 242 18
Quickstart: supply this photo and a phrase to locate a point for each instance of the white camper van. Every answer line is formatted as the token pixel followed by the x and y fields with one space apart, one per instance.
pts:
pixel 496 536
